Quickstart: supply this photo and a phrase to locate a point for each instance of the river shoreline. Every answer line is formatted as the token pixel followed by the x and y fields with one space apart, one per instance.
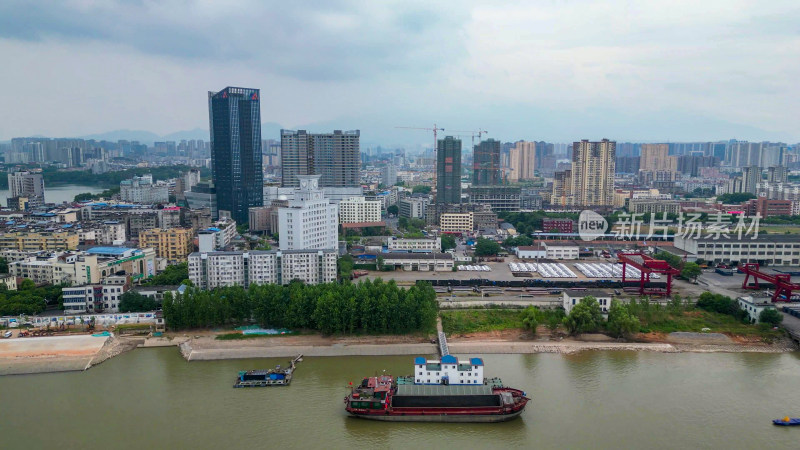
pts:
pixel 79 353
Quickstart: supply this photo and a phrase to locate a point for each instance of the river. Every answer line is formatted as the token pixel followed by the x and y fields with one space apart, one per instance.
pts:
pixel 152 398
pixel 59 193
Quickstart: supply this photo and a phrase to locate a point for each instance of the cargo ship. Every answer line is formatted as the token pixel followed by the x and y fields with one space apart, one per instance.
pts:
pixel 270 377
pixel 445 390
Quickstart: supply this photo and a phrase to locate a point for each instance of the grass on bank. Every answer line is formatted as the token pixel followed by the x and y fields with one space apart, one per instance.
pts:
pixel 476 320
pixel 696 320
pixel 241 337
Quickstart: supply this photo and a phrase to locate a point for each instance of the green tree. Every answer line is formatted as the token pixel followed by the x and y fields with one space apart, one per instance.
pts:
pixel 174 274
pixel 26 285
pixel 585 317
pixel 393 210
pixel 448 242
pixel 132 301
pixel 530 318
pixel 3 265
pixel 691 271
pixel 674 261
pixel 735 197
pixel 771 316
pixel 518 241
pixel 620 321
pixel 421 189
pixel 486 247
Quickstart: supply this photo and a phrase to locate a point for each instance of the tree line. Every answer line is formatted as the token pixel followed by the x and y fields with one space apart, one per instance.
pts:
pixel 374 307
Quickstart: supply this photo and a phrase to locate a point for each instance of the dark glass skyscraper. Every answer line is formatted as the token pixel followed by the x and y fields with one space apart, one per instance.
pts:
pixel 448 170
pixel 235 122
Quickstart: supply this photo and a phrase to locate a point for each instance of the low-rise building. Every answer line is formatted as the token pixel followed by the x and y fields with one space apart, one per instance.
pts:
pixel 422 245
pixel 359 210
pixel 551 225
pixel 218 269
pixel 570 298
pixel 767 208
pixel 92 298
pixel 754 306
pixel 173 244
pixel 412 207
pixel 653 207
pixel 144 190
pixel 9 281
pixel 531 252
pixel 422 262
pixel 562 250
pixel 35 241
pixel 456 222
pixel 766 249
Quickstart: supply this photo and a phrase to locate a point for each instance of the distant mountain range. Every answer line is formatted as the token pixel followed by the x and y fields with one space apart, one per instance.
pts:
pixel 269 130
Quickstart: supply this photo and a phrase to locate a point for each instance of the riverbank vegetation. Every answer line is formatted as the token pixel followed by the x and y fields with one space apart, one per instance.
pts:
pixel 373 307
pixel 463 321
pixel 28 299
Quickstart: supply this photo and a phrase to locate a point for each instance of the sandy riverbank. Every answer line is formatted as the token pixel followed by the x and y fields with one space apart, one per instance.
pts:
pixel 54 353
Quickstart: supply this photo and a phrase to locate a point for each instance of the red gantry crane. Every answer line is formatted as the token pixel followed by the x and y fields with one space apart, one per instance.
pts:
pixel 782 282
pixel 647 266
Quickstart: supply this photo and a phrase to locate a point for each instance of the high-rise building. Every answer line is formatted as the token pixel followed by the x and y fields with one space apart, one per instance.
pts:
pixel 143 190
pixel 448 170
pixel 235 122
pixel 486 163
pixel 592 177
pixel 28 185
pixel 751 176
pixel 656 157
pixel 389 175
pixel 777 174
pixel 522 161
pixel 335 156
pixel 310 221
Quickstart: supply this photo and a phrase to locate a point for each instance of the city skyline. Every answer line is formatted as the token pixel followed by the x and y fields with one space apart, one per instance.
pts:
pixel 647 74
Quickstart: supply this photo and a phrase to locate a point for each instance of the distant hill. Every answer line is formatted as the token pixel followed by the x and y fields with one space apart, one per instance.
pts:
pixel 130 135
pixel 269 130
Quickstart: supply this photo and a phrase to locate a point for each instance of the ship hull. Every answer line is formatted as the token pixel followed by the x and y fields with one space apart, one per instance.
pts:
pixel 435 417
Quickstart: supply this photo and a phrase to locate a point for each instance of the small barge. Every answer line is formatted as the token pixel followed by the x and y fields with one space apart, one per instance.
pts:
pixel 445 390
pixel 263 378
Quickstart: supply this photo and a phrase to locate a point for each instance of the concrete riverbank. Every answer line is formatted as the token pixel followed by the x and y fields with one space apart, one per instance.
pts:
pixel 76 353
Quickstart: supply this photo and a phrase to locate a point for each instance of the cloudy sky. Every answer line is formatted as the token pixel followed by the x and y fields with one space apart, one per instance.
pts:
pixel 557 70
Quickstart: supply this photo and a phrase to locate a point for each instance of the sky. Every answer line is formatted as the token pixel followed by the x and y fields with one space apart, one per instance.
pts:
pixel 555 70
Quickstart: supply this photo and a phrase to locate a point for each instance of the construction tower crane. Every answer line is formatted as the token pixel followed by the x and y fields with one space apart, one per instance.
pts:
pixel 479 132
pixel 435 130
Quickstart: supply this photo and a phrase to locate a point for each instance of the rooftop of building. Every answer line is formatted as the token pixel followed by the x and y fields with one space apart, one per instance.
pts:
pixel 762 238
pixel 110 250
pixel 431 256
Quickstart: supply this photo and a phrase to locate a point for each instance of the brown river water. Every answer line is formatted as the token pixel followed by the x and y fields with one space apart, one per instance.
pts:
pixel 152 398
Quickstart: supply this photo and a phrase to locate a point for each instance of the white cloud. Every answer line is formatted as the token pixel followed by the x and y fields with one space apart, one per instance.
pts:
pixel 637 70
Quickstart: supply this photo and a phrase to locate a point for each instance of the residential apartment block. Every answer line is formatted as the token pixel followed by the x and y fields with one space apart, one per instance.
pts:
pixel 36 241
pixel 218 269
pixel 359 210
pixel 173 244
